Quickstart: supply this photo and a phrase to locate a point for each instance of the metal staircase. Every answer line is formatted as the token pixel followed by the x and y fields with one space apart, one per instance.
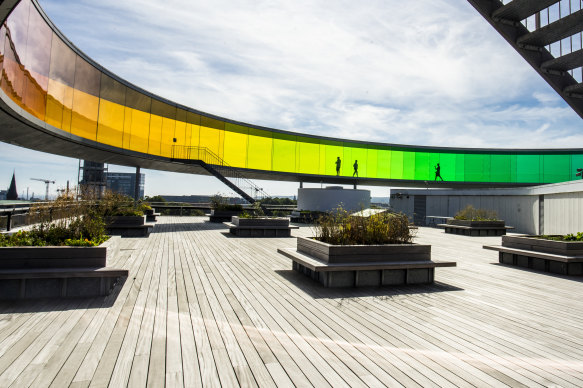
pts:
pixel 548 34
pixel 216 166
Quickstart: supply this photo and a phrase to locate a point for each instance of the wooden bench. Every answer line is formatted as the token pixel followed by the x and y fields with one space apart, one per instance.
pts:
pixel 260 231
pixel 540 261
pixel 475 230
pixel 58 282
pixel 362 274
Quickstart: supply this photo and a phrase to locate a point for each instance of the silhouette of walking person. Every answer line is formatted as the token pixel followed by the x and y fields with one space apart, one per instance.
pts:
pixel 338 163
pixel 355 165
pixel 438 172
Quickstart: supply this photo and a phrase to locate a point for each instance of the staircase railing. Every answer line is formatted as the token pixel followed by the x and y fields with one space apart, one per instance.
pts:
pixel 217 164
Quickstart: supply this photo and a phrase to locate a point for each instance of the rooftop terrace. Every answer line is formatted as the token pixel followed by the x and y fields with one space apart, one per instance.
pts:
pixel 203 308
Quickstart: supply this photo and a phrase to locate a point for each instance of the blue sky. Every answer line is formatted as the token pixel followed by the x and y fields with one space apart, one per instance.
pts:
pixel 416 72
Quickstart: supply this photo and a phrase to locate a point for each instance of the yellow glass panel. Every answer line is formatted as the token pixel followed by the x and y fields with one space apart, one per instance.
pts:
pixel 155 134
pixel 371 163
pixel 194 135
pixel 136 130
pixel 235 147
pixel 180 133
pixel 210 139
pixel 259 149
pixel 84 116
pixel 166 139
pixel 309 158
pixel 322 161
pixel 284 153
pixel 110 124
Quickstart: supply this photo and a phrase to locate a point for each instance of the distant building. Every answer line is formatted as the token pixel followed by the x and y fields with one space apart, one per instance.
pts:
pixel 125 183
pixel 3 195
pixel 93 177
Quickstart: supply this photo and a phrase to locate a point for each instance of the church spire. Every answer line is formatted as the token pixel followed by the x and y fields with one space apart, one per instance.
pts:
pixel 12 193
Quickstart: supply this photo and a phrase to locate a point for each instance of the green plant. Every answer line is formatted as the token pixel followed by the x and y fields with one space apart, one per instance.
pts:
pixel 341 228
pixel 567 237
pixel 472 214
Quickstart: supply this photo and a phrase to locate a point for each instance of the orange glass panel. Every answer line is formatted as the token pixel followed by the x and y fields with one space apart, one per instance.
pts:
pixel 37 63
pixel 55 102
pixel 84 115
pixel 110 125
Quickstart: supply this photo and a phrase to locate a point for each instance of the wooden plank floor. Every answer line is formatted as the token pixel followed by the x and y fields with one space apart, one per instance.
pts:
pixel 202 308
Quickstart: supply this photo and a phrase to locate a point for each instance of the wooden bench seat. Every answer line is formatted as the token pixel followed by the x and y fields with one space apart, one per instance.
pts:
pixel 58 282
pixel 540 261
pixel 260 230
pixel 365 273
pixel 475 230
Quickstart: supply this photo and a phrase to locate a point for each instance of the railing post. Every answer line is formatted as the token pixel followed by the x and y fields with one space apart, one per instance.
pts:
pixel 8 221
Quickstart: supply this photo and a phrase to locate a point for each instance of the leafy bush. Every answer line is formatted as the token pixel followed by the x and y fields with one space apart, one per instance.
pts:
pixel 220 203
pixel 472 214
pixel 340 228
pixel 567 237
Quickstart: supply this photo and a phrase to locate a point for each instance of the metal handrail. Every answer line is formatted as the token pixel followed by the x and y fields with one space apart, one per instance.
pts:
pixel 212 159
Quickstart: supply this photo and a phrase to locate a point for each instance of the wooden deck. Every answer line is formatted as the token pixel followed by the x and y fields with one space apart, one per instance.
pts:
pixel 201 307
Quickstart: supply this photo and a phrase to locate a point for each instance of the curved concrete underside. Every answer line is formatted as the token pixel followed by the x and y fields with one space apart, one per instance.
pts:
pixel 26 126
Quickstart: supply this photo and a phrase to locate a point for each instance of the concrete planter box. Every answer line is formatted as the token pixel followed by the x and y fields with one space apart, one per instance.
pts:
pixel 533 243
pixel 475 228
pixel 260 222
pixel 56 272
pixel 363 253
pixel 223 215
pixel 363 265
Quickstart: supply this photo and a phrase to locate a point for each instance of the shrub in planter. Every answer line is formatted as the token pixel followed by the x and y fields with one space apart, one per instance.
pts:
pixel 469 213
pixel 340 228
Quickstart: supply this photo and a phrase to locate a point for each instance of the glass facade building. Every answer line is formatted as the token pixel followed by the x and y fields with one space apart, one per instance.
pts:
pixel 50 80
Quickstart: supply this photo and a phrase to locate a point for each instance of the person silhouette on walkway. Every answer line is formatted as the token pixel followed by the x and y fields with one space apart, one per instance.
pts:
pixel 355 165
pixel 338 163
pixel 438 172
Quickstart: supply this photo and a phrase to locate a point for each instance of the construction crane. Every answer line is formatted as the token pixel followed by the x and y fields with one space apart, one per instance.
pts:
pixel 47 182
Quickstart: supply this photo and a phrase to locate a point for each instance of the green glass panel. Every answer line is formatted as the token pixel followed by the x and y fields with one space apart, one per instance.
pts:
pixel 448 164
pixel 422 166
pixel 371 163
pixel 359 154
pixel 409 165
pixel 500 167
pixel 576 162
pixel 556 168
pixel 384 163
pixel 474 165
pixel 528 168
pixel 396 164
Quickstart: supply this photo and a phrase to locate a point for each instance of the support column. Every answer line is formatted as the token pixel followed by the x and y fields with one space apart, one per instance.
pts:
pixel 137 187
pixel 301 185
